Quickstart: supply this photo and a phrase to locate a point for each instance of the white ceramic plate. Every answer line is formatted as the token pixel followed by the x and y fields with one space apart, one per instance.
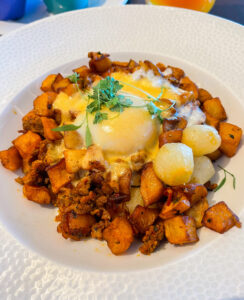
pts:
pixel 210 50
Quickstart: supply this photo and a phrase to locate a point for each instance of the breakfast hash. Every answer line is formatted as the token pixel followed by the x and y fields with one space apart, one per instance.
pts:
pixel 125 151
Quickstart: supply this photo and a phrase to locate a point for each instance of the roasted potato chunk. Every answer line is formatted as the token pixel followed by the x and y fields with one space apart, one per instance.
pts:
pixel 180 230
pixel 215 109
pixel 83 71
pixel 197 211
pixel 151 187
pixel 39 194
pixel 188 85
pixel 203 95
pixel 211 120
pixel 43 104
pixel 230 138
pixel 73 159
pixel 195 192
pixel 49 124
pixel 142 218
pixel 11 159
pixel 171 136
pixel 27 144
pixel 76 226
pixel 173 124
pixel 47 83
pixel 72 140
pixel 220 218
pixel 70 89
pixel 124 182
pixel 119 235
pixel 60 83
pixel 99 62
pixel 93 159
pixel 59 176
pixel 215 155
pixel 177 206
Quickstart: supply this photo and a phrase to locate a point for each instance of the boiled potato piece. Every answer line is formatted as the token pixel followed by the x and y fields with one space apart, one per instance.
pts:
pixel 203 170
pixel 174 163
pixel 202 139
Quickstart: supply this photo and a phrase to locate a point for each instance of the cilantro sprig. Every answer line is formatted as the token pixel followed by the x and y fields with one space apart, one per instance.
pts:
pixel 223 181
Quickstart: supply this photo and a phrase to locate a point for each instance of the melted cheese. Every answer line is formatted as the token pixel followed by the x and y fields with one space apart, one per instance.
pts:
pixel 126 133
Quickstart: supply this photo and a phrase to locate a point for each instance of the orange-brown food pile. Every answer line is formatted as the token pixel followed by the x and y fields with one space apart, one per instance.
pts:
pixel 95 205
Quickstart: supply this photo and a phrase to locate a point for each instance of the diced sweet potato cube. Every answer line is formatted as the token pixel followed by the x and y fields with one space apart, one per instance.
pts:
pixel 47 83
pixel 43 104
pixel 230 138
pixel 93 159
pixel 27 144
pixel 211 120
pixel 188 85
pixel 177 73
pixel 119 235
pixel 215 109
pixel 80 224
pixel 39 194
pixel 220 218
pixel 32 122
pixel 171 136
pixel 124 182
pixel 161 66
pixel 26 165
pixel 49 124
pixel 11 159
pixel 195 192
pixel 180 230
pixel 143 217
pixel 73 159
pixel 72 140
pixel 59 176
pixel 70 89
pixel 215 155
pixel 177 206
pixel 172 124
pixel 197 211
pixel 83 71
pixel 60 83
pixel 151 187
pixel 150 66
pixel 203 95
pixel 99 62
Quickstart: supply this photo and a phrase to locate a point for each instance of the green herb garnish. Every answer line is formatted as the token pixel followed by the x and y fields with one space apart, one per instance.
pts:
pixel 74 77
pixel 223 181
pixel 88 136
pixel 68 127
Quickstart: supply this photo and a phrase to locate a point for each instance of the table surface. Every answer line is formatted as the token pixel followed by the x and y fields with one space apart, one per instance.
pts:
pixel 229 9
pixel 36 9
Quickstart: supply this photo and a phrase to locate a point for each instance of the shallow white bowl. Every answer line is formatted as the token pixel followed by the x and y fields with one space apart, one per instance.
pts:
pixel 207 48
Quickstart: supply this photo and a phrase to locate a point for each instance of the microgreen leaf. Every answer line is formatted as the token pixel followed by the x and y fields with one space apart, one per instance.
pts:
pixel 232 175
pixel 224 179
pixel 221 183
pixel 74 77
pixel 88 136
pixel 99 117
pixel 68 127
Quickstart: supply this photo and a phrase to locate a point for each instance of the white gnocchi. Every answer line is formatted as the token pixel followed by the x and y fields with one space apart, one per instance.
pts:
pixel 203 170
pixel 174 163
pixel 202 139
